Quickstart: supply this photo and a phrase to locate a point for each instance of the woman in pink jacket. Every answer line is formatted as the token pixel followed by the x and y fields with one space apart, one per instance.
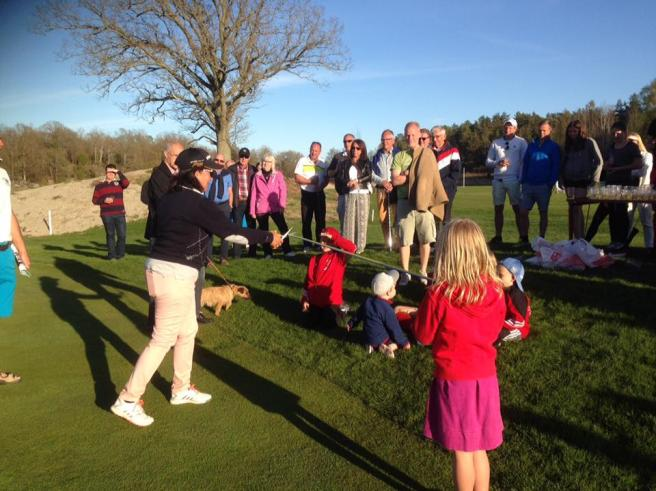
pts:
pixel 269 199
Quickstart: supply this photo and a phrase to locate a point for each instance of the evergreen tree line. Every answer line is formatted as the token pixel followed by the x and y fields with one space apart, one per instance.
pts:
pixel 54 153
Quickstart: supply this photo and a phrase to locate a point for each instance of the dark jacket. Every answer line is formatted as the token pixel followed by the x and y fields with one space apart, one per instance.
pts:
pixel 448 161
pixel 342 174
pixel 186 220
pixel 235 184
pixel 336 163
pixel 152 190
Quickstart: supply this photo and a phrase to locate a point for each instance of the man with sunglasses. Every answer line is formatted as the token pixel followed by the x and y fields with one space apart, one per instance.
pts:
pixel 505 157
pixel 108 194
pixel 242 177
pixel 341 159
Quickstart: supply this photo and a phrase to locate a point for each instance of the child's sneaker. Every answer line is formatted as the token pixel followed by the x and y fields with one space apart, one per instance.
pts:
pixel 407 347
pixel 513 335
pixel 132 411
pixel 190 396
pixel 388 349
pixel 404 279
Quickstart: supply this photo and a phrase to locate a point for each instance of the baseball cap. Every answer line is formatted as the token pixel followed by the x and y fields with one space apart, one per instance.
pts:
pixel 383 282
pixel 516 268
pixel 511 121
pixel 244 152
pixel 197 158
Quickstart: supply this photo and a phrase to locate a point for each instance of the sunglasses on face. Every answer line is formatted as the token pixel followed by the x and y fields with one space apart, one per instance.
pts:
pixel 348 141
pixel 424 138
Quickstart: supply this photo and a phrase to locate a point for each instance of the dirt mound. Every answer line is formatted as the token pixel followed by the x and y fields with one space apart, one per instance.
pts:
pixel 70 205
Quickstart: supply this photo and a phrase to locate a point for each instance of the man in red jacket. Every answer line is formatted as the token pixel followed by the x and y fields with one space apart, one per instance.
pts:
pixel 322 292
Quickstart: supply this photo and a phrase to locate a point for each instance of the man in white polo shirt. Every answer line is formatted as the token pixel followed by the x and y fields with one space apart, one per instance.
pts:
pixel 310 174
pixel 505 157
pixel 10 232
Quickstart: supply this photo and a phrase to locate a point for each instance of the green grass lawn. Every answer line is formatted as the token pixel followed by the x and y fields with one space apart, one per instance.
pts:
pixel 302 409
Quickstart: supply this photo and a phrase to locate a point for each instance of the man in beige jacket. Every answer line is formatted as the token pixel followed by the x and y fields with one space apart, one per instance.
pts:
pixel 421 197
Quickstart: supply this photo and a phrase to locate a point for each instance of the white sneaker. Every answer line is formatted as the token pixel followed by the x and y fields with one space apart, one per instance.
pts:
pixel 306 250
pixel 132 411
pixel 190 396
pixel 268 256
pixel 370 349
pixel 423 281
pixel 290 254
pixel 388 349
pixel 404 279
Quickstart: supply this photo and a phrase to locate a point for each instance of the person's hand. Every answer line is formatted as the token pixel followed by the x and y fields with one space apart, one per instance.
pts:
pixel 353 183
pixel 109 200
pixel 388 186
pixel 26 258
pixel 305 305
pixel 314 179
pixel 326 235
pixel 277 239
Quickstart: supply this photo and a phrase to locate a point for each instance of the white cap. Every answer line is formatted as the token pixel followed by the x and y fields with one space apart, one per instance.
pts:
pixel 511 121
pixel 383 282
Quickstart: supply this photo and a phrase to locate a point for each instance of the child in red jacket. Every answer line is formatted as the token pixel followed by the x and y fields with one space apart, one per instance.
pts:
pixel 322 292
pixel 517 323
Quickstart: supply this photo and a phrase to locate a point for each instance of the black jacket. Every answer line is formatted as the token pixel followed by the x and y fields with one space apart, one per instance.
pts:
pixel 342 175
pixel 152 190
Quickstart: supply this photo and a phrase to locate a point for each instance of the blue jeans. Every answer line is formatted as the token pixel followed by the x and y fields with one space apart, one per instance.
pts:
pixel 115 233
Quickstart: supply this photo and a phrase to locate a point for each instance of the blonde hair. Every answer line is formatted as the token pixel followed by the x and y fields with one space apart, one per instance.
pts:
pixel 272 159
pixel 464 263
pixel 638 140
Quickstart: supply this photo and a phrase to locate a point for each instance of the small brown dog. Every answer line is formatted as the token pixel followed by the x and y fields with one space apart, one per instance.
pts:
pixel 222 296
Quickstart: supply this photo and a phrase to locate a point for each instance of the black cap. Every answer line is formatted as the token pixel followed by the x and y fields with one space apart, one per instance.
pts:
pixel 194 158
pixel 244 152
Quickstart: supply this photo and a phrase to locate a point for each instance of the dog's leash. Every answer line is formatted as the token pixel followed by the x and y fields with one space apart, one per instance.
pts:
pixel 211 263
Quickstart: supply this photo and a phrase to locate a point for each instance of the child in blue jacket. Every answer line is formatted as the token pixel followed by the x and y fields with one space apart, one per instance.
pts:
pixel 381 327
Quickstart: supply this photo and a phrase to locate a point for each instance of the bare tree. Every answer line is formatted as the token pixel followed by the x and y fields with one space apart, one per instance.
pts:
pixel 201 62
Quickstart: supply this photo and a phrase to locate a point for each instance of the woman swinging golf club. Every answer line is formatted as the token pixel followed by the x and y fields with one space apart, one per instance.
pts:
pixel 186 221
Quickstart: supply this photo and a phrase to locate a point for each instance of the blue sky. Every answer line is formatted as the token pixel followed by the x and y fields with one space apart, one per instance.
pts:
pixel 433 61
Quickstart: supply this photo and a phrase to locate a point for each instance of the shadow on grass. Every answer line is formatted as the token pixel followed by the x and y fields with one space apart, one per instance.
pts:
pixel 584 290
pixel 258 390
pixel 616 451
pixel 95 334
pixel 275 399
pixel 99 250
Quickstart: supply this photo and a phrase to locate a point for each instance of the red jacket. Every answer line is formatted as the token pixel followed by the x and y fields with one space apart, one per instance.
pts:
pixel 462 338
pixel 518 311
pixel 325 274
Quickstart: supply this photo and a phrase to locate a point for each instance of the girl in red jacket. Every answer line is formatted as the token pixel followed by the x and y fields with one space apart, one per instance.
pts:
pixel 322 292
pixel 460 317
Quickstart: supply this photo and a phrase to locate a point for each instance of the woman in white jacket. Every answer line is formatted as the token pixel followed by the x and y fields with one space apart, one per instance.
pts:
pixel 644 209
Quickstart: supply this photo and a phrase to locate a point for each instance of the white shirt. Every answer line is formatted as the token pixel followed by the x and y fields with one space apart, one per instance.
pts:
pixel 513 150
pixel 5 206
pixel 308 169
pixel 645 172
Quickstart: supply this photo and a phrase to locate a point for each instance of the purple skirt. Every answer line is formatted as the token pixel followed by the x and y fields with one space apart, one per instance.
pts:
pixel 464 415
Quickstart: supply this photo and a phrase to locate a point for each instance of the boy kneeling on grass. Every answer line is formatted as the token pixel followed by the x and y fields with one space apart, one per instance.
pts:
pixel 516 325
pixel 381 326
pixel 322 297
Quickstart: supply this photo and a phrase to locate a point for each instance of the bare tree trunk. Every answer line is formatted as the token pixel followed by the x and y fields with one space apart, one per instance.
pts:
pixel 223 141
